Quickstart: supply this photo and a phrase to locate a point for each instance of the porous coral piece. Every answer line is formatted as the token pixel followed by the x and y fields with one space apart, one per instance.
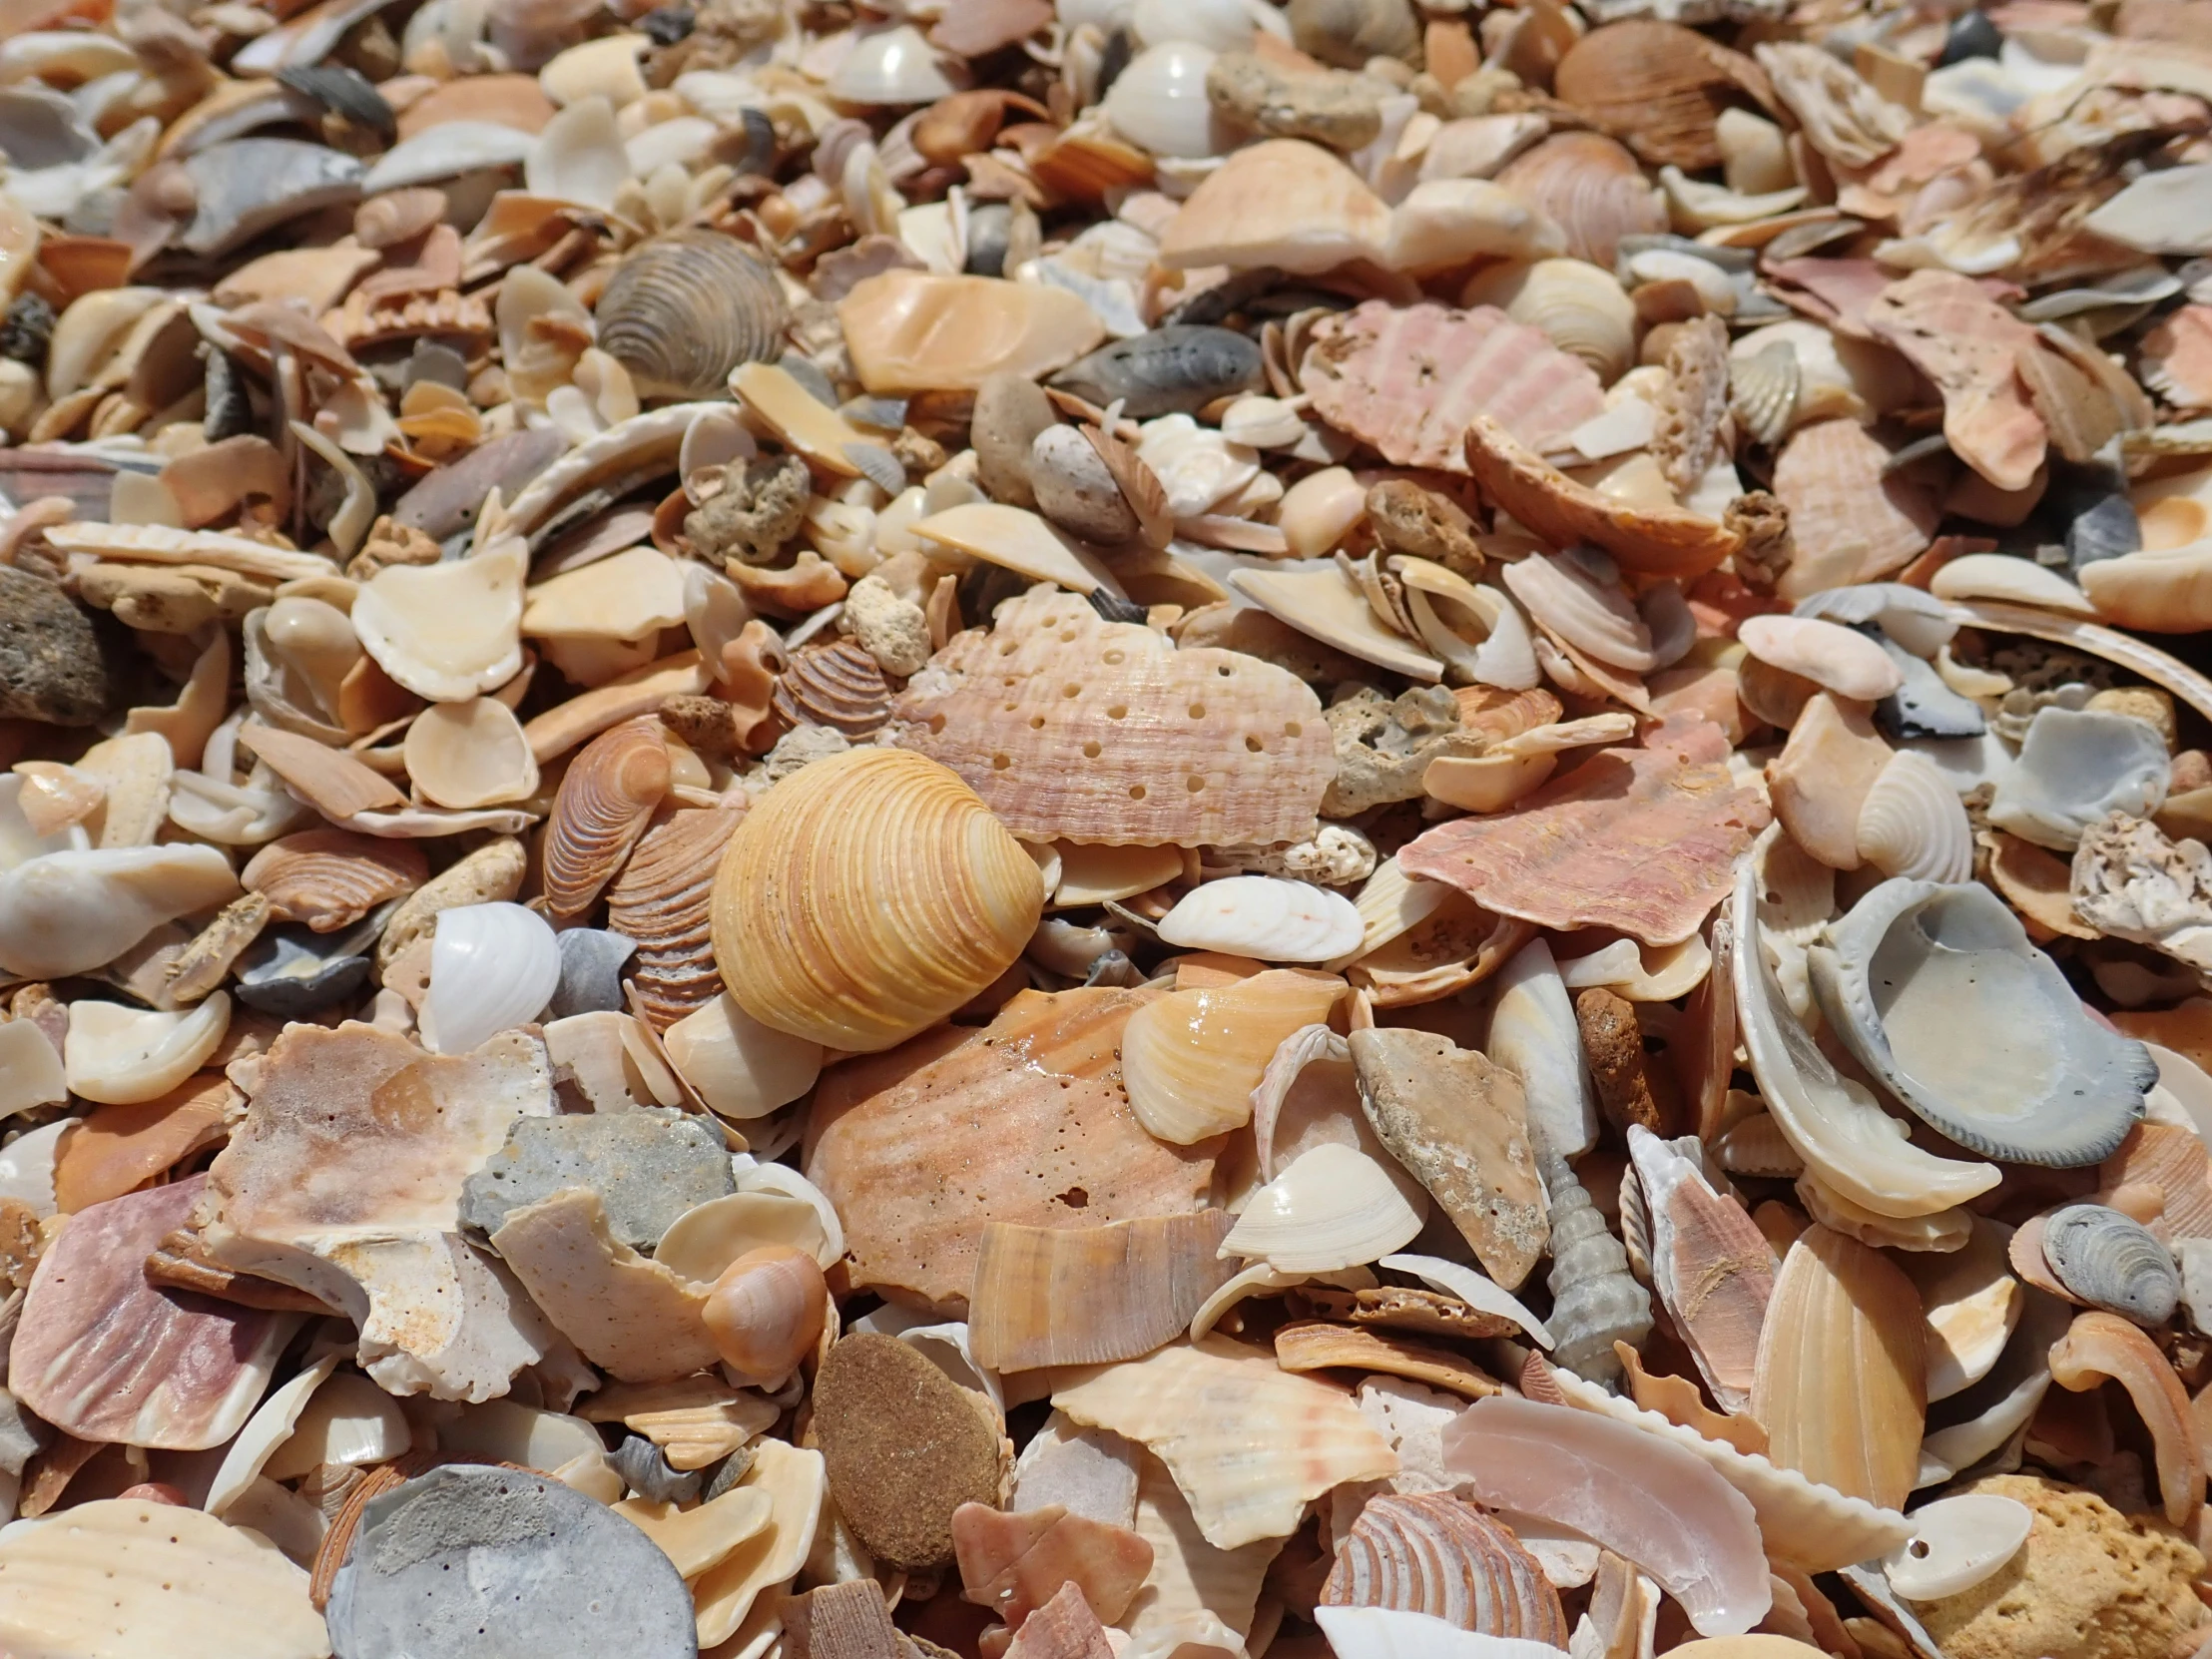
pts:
pixel 757 510
pixel 1385 744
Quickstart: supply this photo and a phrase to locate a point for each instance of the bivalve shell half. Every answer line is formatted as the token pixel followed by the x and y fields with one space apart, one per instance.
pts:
pixel 1333 1208
pixel 605 802
pixel 1912 825
pixel 686 308
pixel 833 683
pixel 1580 307
pixel 1192 1058
pixel 1830 656
pixel 1264 917
pixel 2113 1261
pixel 120 1055
pixel 492 966
pixel 662 899
pixel 1436 1554
pixel 868 897
pixel 447 632
pixel 473 753
pixel 330 879
pixel 1592 188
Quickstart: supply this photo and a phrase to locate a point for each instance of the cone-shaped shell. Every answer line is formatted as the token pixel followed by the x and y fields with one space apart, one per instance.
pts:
pixel 1438 1555
pixel 868 897
pixel 605 802
pixel 686 308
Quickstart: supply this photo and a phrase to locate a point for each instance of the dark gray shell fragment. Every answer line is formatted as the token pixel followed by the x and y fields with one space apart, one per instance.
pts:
pixel 1174 370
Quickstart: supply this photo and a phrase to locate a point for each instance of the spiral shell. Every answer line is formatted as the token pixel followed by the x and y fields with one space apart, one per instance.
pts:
pixel 766 1311
pixel 1595 1302
pixel 868 897
pixel 1438 1555
pixel 1591 188
pixel 605 802
pixel 661 901
pixel 1580 309
pixel 836 684
pixel 330 879
pixel 687 309
pixel 2113 1261
pixel 1912 823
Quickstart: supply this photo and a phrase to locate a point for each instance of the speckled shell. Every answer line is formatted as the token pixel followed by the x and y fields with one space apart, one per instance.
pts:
pixel 330 879
pixel 1438 1555
pixel 606 800
pixel 868 897
pixel 835 682
pixel 662 899
pixel 1591 188
pixel 686 308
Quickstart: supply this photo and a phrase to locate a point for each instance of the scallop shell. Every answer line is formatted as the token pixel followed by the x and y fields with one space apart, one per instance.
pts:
pixel 833 683
pixel 492 966
pixel 1849 519
pixel 330 879
pixel 1763 390
pixel 606 800
pixel 1435 1554
pixel 1577 596
pixel 1048 1296
pixel 1912 825
pixel 473 753
pixel 662 899
pixel 1592 188
pixel 1842 1382
pixel 120 1055
pixel 1580 307
pixel 2111 1261
pixel 867 897
pixel 1191 1059
pixel 686 308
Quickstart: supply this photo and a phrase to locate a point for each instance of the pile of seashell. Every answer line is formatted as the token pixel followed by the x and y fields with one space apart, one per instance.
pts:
pixel 1105 828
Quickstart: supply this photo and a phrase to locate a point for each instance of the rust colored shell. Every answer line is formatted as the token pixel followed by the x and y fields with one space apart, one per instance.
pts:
pixel 1438 1555
pixel 605 802
pixel 835 682
pixel 662 899
pixel 1659 86
pixel 330 879
pixel 1591 188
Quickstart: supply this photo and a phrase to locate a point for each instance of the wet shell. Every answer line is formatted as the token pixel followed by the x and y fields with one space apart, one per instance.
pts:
pixel 1592 188
pixel 662 899
pixel 606 800
pixel 330 879
pixel 836 684
pixel 1580 307
pixel 867 897
pixel 686 308
pixel 1912 825
pixel 2112 1262
pixel 1438 1555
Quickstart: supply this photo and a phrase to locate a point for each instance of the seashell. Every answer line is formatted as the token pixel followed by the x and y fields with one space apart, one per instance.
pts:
pixel 1757 1146
pixel 833 683
pixel 1832 656
pixel 1159 102
pixel 868 897
pixel 578 158
pixel 1849 518
pixel 122 1055
pixel 1592 188
pixel 915 330
pixel 1580 307
pixel 631 596
pixel 2102 1347
pixel 1264 917
pixel 1658 85
pixel 70 912
pixel 1957 1543
pixel 1596 1301
pixel 1482 639
pixel 1346 33
pixel 1968 345
pixel 472 754
pixel 1048 1296
pixel 662 899
pixel 1577 596
pixel 330 879
pixel 1444 223
pixel 765 1313
pixel 894 67
pixel 1912 825
pixel 1435 1554
pixel 1193 1408
pixel 2110 1260
pixel 1711 1267
pixel 1841 1374
pixel 2009 581
pixel 349 1421
pixel 492 966
pixel 686 308
pixel 2129 653
pixel 1321 601
pixel 1280 202
pixel 1914 964
pixel 2075 767
pixel 1533 1035
pixel 1334 1207
pixel 1764 388
pixel 1946 1230
pixel 1192 1059
pixel 446 632
pixel 737 1067
pixel 246 185
pixel 606 800
pixel 1482 1297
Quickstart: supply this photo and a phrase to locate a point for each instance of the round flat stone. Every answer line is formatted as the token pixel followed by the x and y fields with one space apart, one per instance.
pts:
pixel 471 1562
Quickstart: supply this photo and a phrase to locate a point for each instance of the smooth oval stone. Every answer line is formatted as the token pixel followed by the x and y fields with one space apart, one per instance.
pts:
pixel 471 1562
pixel 591 969
pixel 50 663
pixel 648 1167
pixel 1177 369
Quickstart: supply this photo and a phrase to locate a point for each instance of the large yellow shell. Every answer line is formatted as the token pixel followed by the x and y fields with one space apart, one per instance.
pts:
pixel 868 897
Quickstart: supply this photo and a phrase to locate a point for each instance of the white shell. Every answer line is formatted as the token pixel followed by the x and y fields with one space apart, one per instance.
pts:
pixel 492 966
pixel 707 1237
pixel 1910 618
pixel 473 753
pixel 1476 1289
pixel 30 1071
pixel 19 842
pixel 739 1067
pixel 783 1178
pixel 1912 823
pixel 1578 596
pixel 447 631
pixel 1335 1207
pixel 450 147
pixel 2015 581
pixel 119 1055
pixel 350 1421
pixel 1390 1633
pixel 69 912
pixel 895 66
pixel 1533 1033
pixel 1224 25
pixel 1158 103
pixel 1264 916
pixel 579 157
pixel 1957 1543
pixel 1477 631
pixel 265 1433
pixel 1833 657
pixel 2075 767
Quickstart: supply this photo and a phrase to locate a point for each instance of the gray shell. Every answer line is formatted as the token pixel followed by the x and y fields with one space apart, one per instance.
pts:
pixel 1935 990
pixel 251 185
pixel 2113 1260
pixel 687 309
pixel 1924 706
pixel 2077 767
pixel 1595 1302
pixel 1176 370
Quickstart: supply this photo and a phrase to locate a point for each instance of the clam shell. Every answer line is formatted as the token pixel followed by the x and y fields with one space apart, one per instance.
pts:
pixel 662 899
pixel 1830 656
pixel 833 683
pixel 1438 1555
pixel 737 1067
pixel 1658 85
pixel 2075 767
pixel 473 753
pixel 121 1055
pixel 492 966
pixel 1580 307
pixel 686 308
pixel 1912 825
pixel 1914 964
pixel 1264 917
pixel 1578 596
pixel 446 632
pixel 330 879
pixel 1592 188
pixel 892 67
pixel 1192 1059
pixel 1047 1295
pixel 606 800
pixel 2111 1261
pixel 867 897
pixel 1333 1208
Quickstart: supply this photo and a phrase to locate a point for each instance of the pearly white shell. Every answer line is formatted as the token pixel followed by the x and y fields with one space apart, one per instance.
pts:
pixel 120 1055
pixel 1335 1207
pixel 1476 1289
pixel 1264 916
pixel 447 631
pixel 1957 1543
pixel 1912 823
pixel 492 966
pixel 1391 1633
pixel 1533 1032
pixel 2075 767
pixel 68 913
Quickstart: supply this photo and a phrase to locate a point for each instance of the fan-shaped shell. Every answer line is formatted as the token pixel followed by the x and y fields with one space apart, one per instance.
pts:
pixel 1192 1059
pixel 662 899
pixel 1580 307
pixel 1912 825
pixel 1658 84
pixel 330 879
pixel 686 308
pixel 867 897
pixel 1578 596
pixel 1438 1555
pixel 2113 1261
pixel 835 682
pixel 1936 991
pixel 1762 392
pixel 1592 188
pixel 606 800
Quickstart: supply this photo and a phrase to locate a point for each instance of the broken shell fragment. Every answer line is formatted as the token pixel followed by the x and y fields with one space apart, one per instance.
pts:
pixel 1436 1554
pixel 1957 1543
pixel 1192 1059
pixel 123 1055
pixel 1079 1296
pixel 1334 1207
pixel 446 631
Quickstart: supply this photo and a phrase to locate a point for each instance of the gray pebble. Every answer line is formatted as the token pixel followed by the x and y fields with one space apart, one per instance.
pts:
pixel 1177 369
pixel 50 663
pixel 2105 530
pixel 648 1166
pixel 1010 413
pixel 1075 490
pixel 591 969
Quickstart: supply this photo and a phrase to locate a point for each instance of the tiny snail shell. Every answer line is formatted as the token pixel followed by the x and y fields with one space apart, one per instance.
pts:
pixel 686 308
pixel 765 1311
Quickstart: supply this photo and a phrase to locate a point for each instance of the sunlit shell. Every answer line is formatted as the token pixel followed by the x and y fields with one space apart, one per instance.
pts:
pixel 1957 1543
pixel 1048 1296
pixel 1712 1268
pixel 1912 823
pixel 833 683
pixel 2009 581
pixel 1438 1555
pixel 766 1311
pixel 2100 1346
pixel 1849 521
pixel 1333 1208
pixel 330 879
pixel 1592 188
pixel 1580 307
pixel 1320 599
pixel 492 966
pixel 684 309
pixel 449 631
pixel 472 754
pixel 120 1054
pixel 867 897
pixel 662 899
pixel 1657 84
pixel 1264 917
pixel 2108 1260
pixel 606 800
pixel 1580 599
pixel 1192 1059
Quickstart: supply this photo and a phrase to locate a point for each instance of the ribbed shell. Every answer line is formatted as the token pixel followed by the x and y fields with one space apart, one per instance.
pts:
pixel 1762 392
pixel 836 684
pixel 687 309
pixel 330 879
pixel 1438 1555
pixel 662 899
pixel 1912 823
pixel 1594 1300
pixel 606 798
pixel 868 897
pixel 2113 1261
pixel 1592 187
pixel 1659 85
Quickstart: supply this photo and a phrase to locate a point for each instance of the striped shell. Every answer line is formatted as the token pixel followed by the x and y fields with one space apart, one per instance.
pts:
pixel 606 798
pixel 1592 187
pixel 687 309
pixel 663 900
pixel 836 684
pixel 330 879
pixel 1912 825
pixel 1762 392
pixel 1438 1555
